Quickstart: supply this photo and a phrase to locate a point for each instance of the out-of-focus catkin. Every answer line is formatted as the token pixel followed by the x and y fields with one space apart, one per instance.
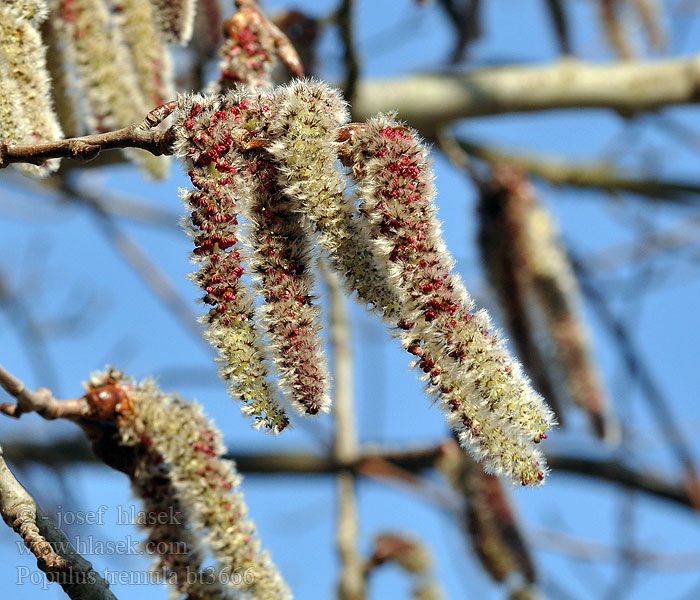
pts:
pixel 546 279
pixel 248 53
pixel 489 521
pixel 150 58
pixel 25 81
pixel 174 19
pixel 109 90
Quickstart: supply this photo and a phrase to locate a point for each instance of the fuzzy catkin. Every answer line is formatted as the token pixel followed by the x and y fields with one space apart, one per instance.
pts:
pixel 105 74
pixel 208 486
pixel 171 539
pixel 62 82
pixel 281 259
pixel 204 143
pixel 248 54
pixel 171 536
pixel 151 63
pixel 103 66
pixel 34 11
pixel 303 135
pixel 13 122
pixel 26 80
pixel 150 58
pixel 488 399
pixel 174 19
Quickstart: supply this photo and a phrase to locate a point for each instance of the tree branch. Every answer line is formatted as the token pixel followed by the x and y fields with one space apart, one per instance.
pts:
pixel 40 401
pixel 144 135
pixel 585 175
pixel 55 555
pixel 351 583
pixel 412 460
pixel 429 101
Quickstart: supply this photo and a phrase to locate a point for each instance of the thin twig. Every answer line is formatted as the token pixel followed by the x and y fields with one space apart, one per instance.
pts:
pixel 138 260
pixel 144 135
pixel 344 19
pixel 40 401
pixel 30 334
pixel 652 393
pixel 557 13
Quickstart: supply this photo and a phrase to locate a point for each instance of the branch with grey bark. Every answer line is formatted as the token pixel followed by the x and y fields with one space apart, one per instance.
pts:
pixel 430 100
pixel 55 556
pixel 599 175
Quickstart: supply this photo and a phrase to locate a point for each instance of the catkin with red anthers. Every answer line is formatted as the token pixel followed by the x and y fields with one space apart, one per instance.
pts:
pixel 303 135
pixel 281 260
pixel 488 399
pixel 178 467
pixel 392 254
pixel 204 125
pixel 248 55
pixel 26 85
pixel 174 19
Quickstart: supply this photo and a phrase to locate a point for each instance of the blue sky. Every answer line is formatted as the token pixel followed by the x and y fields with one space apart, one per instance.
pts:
pixel 58 260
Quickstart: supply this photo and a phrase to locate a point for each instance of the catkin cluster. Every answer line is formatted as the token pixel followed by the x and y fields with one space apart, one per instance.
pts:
pixel 273 156
pixel 192 503
pixel 122 67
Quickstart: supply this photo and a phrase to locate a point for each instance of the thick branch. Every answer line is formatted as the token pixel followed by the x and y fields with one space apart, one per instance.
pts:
pixel 413 460
pixel 431 100
pixel 55 555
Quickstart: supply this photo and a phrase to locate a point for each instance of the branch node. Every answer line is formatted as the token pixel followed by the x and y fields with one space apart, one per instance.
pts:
pixel 82 150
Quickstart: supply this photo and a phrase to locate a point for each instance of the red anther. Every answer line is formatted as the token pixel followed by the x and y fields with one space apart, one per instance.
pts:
pixel 404 324
pixel 415 349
